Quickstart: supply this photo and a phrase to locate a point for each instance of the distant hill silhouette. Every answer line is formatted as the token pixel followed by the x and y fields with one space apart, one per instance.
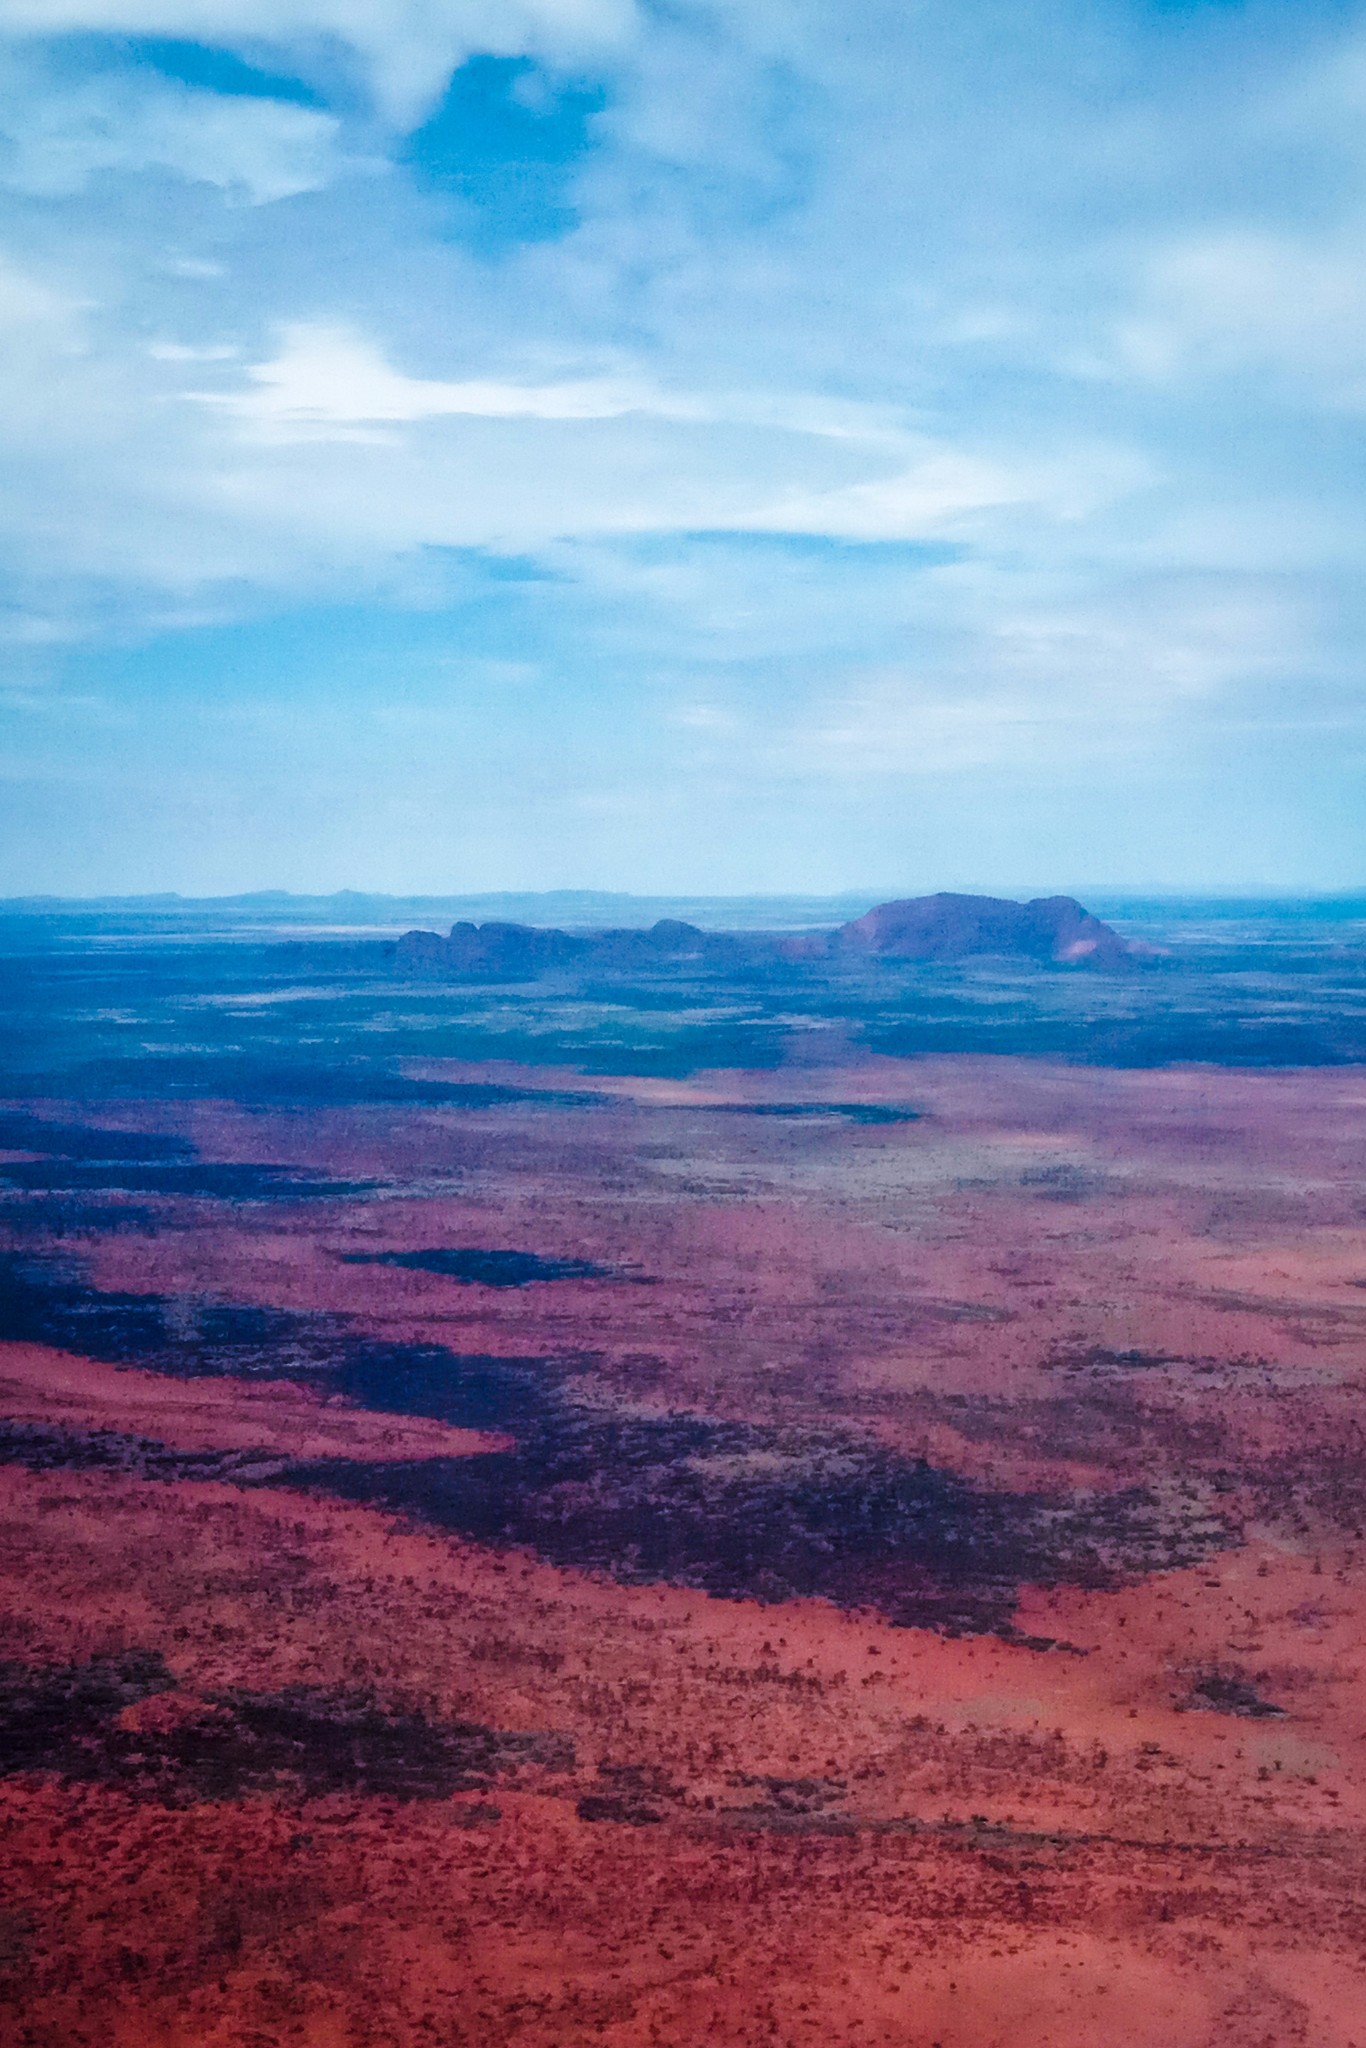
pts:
pixel 1051 930
pixel 526 949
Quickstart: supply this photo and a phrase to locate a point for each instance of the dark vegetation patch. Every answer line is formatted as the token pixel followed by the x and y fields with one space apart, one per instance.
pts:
pixel 734 1512
pixel 45 1304
pixel 17 1926
pixel 53 1719
pixel 1111 1414
pixel 1223 1692
pixel 787 1805
pixel 20 1131
pixel 924 1308
pixel 207 1180
pixel 625 1808
pixel 40 1307
pixel 42 1447
pixel 357 1082
pixel 848 1112
pixel 1320 1477
pixel 473 1266
pixel 1098 1420
pixel 56 1216
pixel 188 1337
pixel 773 1820
pixel 467 1389
pixel 86 1158
pixel 1099 1358
pixel 301 1741
pixel 733 1509
pixel 311 1742
pixel 1065 1183
pixel 633 1795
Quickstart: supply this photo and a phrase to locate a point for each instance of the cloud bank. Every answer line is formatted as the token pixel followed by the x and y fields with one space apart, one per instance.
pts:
pixel 575 441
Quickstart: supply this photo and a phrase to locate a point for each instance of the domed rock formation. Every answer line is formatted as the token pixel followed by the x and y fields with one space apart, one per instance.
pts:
pixel 948 927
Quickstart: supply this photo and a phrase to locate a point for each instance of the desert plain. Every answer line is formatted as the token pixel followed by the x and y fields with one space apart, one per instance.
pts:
pixel 850 1550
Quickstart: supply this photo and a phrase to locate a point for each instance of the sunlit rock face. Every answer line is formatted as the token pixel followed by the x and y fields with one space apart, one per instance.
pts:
pixel 949 927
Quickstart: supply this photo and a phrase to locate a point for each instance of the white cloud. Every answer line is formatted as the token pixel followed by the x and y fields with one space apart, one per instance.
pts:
pixel 182 352
pixel 1008 679
pixel 27 301
pixel 931 497
pixel 942 491
pixel 511 462
pixel 57 137
pixel 326 380
pixel 1293 306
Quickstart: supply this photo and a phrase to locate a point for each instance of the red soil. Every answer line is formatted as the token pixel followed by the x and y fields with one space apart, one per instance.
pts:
pixel 1096 1858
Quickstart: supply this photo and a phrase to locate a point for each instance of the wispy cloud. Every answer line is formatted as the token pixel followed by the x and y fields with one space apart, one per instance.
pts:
pixel 1291 307
pixel 325 378
pixel 57 137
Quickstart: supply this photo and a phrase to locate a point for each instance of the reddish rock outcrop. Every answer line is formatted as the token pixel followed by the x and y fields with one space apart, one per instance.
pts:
pixel 1051 929
pixel 950 927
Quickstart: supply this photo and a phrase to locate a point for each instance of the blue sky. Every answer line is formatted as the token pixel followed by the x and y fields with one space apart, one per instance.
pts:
pixel 772 444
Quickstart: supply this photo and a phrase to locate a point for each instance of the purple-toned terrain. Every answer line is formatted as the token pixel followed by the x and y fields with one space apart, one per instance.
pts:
pixel 601 1542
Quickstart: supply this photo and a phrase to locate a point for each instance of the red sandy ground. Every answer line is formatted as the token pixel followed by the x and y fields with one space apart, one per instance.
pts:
pixel 1163 1878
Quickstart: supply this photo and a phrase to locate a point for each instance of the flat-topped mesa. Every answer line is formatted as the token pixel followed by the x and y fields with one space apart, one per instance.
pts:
pixel 948 927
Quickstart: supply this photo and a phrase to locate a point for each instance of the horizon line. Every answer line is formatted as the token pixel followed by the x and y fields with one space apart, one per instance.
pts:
pixel 1146 892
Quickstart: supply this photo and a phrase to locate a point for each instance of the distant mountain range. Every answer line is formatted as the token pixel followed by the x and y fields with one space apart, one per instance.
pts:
pixel 1050 930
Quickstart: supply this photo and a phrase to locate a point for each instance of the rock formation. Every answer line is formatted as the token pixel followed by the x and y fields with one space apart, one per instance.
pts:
pixel 949 927
pixel 1052 930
